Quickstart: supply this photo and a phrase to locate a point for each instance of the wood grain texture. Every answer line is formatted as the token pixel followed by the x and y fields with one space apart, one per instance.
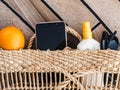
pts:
pixel 97 33
pixel 16 8
pixel 7 18
pixel 44 11
pixel 73 12
pixel 29 12
pixel 109 11
pixel 33 13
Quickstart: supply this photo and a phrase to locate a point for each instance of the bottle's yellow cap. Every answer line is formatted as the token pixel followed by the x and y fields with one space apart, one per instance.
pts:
pixel 86 30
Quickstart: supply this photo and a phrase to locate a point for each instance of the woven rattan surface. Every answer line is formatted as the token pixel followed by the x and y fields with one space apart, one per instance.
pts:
pixel 69 60
pixel 16 66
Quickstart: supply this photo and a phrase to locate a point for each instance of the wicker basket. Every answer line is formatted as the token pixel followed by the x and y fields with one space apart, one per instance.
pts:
pixel 59 70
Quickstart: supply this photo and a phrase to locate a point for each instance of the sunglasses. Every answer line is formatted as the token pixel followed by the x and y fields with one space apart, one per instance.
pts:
pixel 109 41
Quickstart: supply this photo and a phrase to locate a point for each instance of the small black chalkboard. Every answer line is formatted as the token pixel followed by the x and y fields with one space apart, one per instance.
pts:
pixel 51 35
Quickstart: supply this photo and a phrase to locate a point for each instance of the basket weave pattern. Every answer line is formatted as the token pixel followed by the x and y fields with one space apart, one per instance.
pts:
pixel 26 68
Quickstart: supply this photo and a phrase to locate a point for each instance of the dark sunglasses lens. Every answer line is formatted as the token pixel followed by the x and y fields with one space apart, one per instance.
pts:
pixel 113 45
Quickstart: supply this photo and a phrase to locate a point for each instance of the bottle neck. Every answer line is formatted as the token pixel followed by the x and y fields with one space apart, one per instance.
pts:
pixel 86 30
pixel 87 36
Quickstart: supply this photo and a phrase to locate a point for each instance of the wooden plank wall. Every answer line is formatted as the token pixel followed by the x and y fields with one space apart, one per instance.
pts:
pixel 73 12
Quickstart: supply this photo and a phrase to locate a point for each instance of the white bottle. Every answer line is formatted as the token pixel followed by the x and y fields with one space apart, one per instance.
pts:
pixel 88 42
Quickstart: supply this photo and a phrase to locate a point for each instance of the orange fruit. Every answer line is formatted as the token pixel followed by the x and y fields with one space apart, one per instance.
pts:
pixel 11 38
